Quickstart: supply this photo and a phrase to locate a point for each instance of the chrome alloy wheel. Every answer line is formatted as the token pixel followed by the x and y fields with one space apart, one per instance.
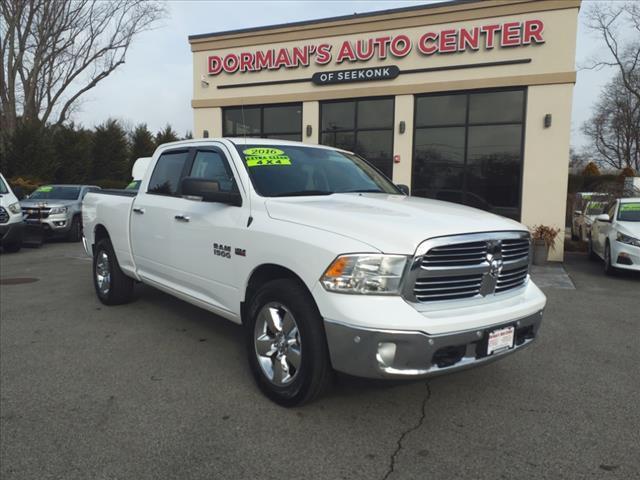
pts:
pixel 103 273
pixel 277 343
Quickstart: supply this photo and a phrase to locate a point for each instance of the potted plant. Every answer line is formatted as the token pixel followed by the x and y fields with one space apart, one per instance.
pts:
pixel 544 237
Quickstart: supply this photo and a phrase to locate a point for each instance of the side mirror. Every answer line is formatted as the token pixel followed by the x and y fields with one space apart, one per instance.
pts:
pixel 577 213
pixel 209 191
pixel 404 189
pixel 603 218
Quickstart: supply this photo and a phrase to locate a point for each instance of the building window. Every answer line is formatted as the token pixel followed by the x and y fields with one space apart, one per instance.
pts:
pixel 270 121
pixel 468 149
pixel 362 126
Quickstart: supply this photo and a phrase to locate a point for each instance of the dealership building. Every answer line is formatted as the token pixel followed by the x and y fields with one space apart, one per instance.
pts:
pixel 464 101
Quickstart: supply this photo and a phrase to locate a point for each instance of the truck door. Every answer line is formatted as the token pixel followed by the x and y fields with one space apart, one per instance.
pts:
pixel 209 239
pixel 152 218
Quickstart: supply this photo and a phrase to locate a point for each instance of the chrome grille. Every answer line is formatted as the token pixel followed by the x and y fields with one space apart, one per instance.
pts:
pixel 509 279
pixel 466 266
pixel 447 288
pixel 36 213
pixel 515 249
pixel 4 215
pixel 461 254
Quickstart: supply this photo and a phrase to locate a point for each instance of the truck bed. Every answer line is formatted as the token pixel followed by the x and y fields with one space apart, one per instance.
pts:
pixel 113 209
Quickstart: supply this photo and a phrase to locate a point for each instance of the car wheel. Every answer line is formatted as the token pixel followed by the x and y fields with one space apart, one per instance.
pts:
pixel 592 253
pixel 12 247
pixel 112 286
pixel 287 347
pixel 608 268
pixel 75 231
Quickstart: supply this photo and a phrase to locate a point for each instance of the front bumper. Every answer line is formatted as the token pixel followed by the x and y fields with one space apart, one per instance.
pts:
pixel 57 224
pixel 11 233
pixel 358 351
pixel 625 256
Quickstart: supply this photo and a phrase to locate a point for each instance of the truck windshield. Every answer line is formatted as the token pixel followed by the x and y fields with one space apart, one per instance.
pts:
pixel 291 170
pixel 52 192
pixel 629 212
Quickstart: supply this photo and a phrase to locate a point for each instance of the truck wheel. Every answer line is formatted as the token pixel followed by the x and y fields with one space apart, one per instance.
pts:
pixel 112 286
pixel 75 231
pixel 286 343
pixel 12 247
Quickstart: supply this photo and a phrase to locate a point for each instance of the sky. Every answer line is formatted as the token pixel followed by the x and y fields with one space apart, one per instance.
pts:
pixel 154 86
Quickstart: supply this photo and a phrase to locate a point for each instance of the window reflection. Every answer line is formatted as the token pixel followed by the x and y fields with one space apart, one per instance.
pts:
pixel 478 163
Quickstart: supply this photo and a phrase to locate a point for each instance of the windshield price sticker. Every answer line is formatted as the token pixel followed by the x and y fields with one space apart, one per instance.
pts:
pixel 44 189
pixel 261 156
pixel 259 161
pixel 630 207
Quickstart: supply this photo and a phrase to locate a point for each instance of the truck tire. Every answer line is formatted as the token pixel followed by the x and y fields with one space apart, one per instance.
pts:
pixel 286 343
pixel 12 247
pixel 75 231
pixel 112 286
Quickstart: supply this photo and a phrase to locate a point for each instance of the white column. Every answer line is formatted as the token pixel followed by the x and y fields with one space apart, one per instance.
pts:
pixel 403 142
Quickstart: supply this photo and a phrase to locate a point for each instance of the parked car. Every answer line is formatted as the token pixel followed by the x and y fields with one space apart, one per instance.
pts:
pixel 581 218
pixel 57 208
pixel 583 221
pixel 11 218
pixel 615 236
pixel 326 263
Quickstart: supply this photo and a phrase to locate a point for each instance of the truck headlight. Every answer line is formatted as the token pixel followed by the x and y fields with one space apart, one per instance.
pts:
pixel 56 210
pixel 375 274
pixel 622 238
pixel 15 208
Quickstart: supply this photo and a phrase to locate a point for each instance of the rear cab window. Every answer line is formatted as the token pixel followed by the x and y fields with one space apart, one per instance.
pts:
pixel 167 173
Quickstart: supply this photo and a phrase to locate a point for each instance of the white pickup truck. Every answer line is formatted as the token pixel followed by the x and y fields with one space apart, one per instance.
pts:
pixel 325 262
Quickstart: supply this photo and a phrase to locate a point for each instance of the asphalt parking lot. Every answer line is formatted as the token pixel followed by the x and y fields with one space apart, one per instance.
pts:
pixel 159 389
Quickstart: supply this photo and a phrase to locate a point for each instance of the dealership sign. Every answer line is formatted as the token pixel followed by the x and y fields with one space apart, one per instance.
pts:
pixel 356 75
pixel 450 40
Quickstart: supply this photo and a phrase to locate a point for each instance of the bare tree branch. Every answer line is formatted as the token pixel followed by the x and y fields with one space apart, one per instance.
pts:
pixel 53 52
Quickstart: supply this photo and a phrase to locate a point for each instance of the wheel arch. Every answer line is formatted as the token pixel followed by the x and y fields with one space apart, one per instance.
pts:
pixel 265 273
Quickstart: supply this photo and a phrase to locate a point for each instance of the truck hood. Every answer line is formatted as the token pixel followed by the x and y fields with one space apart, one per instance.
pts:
pixel 389 223
pixel 49 203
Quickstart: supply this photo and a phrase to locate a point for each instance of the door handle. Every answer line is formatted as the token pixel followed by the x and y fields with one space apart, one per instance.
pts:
pixel 138 210
pixel 182 218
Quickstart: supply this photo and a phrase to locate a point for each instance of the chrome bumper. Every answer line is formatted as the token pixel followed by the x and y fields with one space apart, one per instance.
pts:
pixel 367 353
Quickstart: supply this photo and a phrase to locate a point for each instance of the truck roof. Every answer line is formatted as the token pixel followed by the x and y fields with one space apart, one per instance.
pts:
pixel 251 141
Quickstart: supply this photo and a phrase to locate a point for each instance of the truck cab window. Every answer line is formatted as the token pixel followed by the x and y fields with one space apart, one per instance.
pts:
pixel 165 179
pixel 213 166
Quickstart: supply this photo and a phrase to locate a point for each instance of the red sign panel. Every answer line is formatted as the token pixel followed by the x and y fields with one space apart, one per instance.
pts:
pixel 452 40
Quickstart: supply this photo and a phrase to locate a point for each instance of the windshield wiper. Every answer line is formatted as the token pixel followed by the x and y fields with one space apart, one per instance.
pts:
pixel 303 193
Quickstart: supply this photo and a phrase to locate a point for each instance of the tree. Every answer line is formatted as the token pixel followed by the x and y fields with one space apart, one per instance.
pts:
pixel 73 151
pixel 608 21
pixel 52 52
pixel 166 135
pixel 110 152
pixel 142 143
pixel 614 127
pixel 591 170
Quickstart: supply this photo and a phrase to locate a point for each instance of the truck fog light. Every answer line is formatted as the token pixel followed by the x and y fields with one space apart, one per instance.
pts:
pixel 386 353
pixel 60 223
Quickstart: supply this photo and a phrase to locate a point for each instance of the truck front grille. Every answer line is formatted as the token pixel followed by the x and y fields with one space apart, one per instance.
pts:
pixel 467 266
pixel 35 213
pixel 4 215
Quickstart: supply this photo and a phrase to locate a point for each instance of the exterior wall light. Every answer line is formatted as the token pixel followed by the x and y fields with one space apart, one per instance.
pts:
pixel 402 127
pixel 547 120
pixel 309 130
